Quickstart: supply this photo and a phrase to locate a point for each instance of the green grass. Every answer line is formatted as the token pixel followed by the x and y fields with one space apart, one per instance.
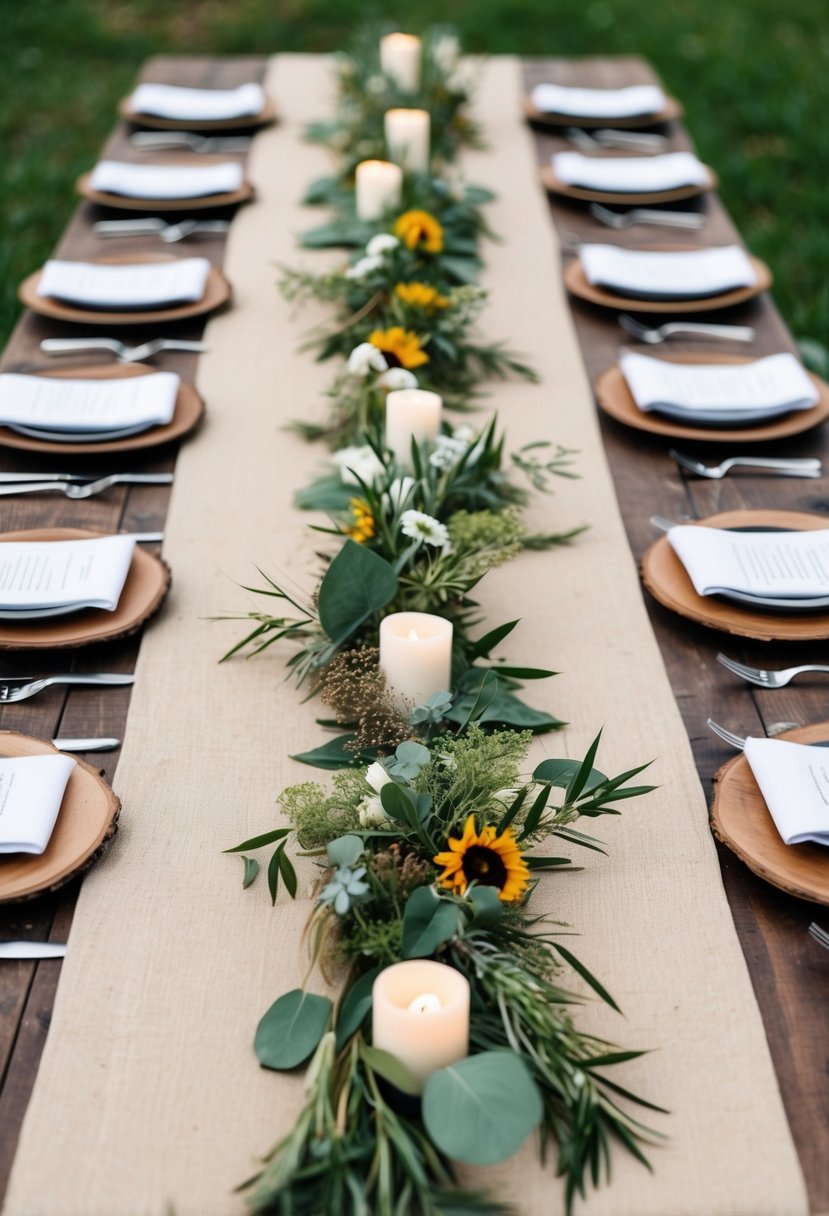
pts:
pixel 752 74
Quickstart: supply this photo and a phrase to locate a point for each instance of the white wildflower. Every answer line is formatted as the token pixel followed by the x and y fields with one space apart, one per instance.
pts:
pixel 358 464
pixel 363 268
pixel 448 451
pixel 370 812
pixel 424 528
pixel 366 358
pixel 397 377
pixel 446 52
pixel 384 242
pixel 376 776
pixel 465 432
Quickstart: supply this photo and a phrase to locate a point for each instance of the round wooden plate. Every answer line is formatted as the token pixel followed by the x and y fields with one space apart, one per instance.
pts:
pixel 673 109
pixel 555 185
pixel 217 293
pixel 188 413
pixel 87 821
pixel 615 398
pixel 202 202
pixel 576 282
pixel 741 820
pixel 666 579
pixel 148 581
pixel 262 119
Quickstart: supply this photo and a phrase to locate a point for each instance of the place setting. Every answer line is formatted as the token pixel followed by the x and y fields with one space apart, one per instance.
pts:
pixel 627 180
pixel 125 289
pixel 760 574
pixel 770 804
pixel 713 397
pixel 68 587
pixel 173 185
pixel 167 106
pixel 629 107
pixel 665 280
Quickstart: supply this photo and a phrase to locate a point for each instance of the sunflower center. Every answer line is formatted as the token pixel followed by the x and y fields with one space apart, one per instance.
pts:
pixel 484 866
pixel 391 358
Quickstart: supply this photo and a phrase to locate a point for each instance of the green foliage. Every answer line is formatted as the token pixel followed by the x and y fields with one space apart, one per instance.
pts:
pixel 291 1029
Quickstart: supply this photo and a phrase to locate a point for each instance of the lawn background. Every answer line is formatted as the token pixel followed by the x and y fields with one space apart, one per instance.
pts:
pixel 753 75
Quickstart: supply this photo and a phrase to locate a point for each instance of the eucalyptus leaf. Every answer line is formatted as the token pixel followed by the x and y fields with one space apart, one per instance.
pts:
pixel 481 1110
pixel 291 1029
pixel 357 584
pixel 488 908
pixel 428 922
pixel 399 803
pixel 390 1069
pixel 345 850
pixel 251 870
pixel 355 1007
pixel 561 772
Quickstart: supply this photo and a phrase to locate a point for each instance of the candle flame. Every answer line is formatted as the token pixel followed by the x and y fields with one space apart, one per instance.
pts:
pixel 427 1002
pixel 413 636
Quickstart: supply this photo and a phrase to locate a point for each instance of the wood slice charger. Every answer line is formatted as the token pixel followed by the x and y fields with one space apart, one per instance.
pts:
pixel 577 283
pixel 217 293
pixel 671 110
pixel 741 820
pixel 616 400
pixel 147 583
pixel 201 202
pixel 246 122
pixel 552 182
pixel 667 580
pixel 88 819
pixel 188 413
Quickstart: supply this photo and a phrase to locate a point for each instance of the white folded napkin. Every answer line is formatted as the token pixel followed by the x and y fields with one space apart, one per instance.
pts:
pixel 31 791
pixel 688 274
pixel 632 102
pixel 87 405
pixel 131 285
pixel 775 383
pixel 198 105
pixel 631 174
pixel 64 573
pixel 776 565
pixel 166 181
pixel 794 781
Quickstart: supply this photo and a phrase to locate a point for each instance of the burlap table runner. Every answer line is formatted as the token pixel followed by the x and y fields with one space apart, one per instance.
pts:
pixel 149 1099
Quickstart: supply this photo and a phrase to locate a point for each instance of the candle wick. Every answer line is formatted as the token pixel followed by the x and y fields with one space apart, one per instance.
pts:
pixel 413 636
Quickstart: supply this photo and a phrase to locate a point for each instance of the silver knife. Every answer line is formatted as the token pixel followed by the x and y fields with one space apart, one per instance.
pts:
pixel 32 949
pixel 86 745
pixel 28 486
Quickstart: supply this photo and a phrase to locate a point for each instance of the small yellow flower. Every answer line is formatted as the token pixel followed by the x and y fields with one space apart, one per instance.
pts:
pixel 485 858
pixel 363 528
pixel 400 346
pixel 419 230
pixel 421 295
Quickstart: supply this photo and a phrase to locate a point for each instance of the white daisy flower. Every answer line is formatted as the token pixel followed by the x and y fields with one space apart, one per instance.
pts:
pixel 397 377
pixel 424 528
pixel 384 242
pixel 355 463
pixel 366 358
pixel 363 268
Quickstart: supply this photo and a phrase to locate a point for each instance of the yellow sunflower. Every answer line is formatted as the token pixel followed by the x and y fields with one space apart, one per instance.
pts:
pixel 485 858
pixel 421 295
pixel 419 230
pixel 363 527
pixel 400 346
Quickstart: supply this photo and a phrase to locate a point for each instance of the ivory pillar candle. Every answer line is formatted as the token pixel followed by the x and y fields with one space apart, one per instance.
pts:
pixel 400 56
pixel 416 655
pixel 407 138
pixel 379 186
pixel 411 413
pixel 420 1014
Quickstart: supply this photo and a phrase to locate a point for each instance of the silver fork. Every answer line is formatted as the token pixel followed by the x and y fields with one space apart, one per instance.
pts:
pixel 691 329
pixel 20 688
pixel 604 138
pixel 819 935
pixel 805 466
pixel 765 678
pixel 647 215
pixel 149 141
pixel 72 489
pixel 151 226
pixel 727 735
pixel 124 353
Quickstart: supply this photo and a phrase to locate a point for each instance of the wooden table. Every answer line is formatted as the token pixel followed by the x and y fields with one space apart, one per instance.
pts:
pixel 790 973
